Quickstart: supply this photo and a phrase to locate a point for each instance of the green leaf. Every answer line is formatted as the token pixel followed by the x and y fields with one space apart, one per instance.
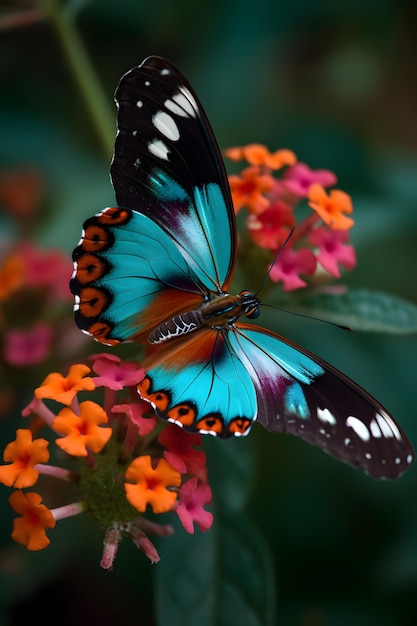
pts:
pixel 217 578
pixel 364 310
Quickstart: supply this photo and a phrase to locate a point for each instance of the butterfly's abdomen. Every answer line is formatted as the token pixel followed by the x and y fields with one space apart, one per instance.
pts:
pixel 182 324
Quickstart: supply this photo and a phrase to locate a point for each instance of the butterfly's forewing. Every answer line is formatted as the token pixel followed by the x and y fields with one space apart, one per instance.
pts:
pixel 299 393
pixel 167 165
pixel 161 253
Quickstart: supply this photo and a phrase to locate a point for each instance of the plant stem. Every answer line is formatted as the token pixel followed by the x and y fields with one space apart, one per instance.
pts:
pixel 82 68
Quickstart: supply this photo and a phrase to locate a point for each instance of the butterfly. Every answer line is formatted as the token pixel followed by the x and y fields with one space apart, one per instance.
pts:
pixel 158 268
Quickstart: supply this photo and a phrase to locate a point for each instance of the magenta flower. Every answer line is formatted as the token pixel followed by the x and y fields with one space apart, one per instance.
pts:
pixel 333 249
pixel 193 497
pixel 27 347
pixel 115 374
pixel 135 411
pixel 180 452
pixel 290 264
pixel 300 177
pixel 270 228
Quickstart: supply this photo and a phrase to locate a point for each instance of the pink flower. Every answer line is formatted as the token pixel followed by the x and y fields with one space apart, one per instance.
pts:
pixel 332 249
pixel 135 411
pixel 47 268
pixel 300 177
pixel 28 347
pixel 290 264
pixel 193 496
pixel 115 374
pixel 270 228
pixel 180 453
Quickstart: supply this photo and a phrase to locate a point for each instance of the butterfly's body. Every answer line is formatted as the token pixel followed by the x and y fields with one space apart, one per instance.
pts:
pixel 219 311
pixel 159 269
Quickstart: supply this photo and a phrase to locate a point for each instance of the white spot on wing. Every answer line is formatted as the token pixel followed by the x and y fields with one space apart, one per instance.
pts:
pixel 410 458
pixel 147 83
pixel 166 125
pixel 326 416
pixel 177 422
pixel 387 425
pixel 358 427
pixel 139 104
pixel 165 71
pixel 158 149
pixel 191 105
pixel 375 430
pixel 180 105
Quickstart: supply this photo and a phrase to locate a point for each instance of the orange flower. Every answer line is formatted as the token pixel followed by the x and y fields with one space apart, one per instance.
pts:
pixel 82 431
pixel 24 454
pixel 331 207
pixel 248 189
pixel 11 276
pixel 257 154
pixel 147 485
pixel 29 530
pixel 64 388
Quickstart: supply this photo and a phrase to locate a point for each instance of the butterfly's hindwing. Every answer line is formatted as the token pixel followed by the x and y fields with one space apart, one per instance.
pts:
pixel 202 386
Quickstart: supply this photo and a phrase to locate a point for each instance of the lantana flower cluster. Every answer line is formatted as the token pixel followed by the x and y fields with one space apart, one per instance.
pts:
pixel 282 195
pixel 122 460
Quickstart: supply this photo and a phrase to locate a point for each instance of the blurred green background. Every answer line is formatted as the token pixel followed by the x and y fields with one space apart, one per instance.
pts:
pixel 336 83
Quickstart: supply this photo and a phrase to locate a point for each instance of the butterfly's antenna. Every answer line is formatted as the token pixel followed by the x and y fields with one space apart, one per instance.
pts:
pixel 308 317
pixel 278 254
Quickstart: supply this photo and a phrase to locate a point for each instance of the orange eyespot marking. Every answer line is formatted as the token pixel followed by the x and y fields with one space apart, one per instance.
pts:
pixel 100 331
pixel 114 216
pixel 159 399
pixel 93 301
pixel 183 413
pixel 213 423
pixel 239 425
pixel 89 268
pixel 96 238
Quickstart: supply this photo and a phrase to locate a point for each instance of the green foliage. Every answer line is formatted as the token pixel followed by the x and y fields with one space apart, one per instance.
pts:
pixel 361 309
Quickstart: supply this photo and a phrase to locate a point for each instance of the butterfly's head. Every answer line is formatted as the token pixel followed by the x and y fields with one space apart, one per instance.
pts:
pixel 250 304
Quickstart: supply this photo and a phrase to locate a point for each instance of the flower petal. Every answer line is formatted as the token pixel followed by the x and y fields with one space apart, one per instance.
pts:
pixel 148 485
